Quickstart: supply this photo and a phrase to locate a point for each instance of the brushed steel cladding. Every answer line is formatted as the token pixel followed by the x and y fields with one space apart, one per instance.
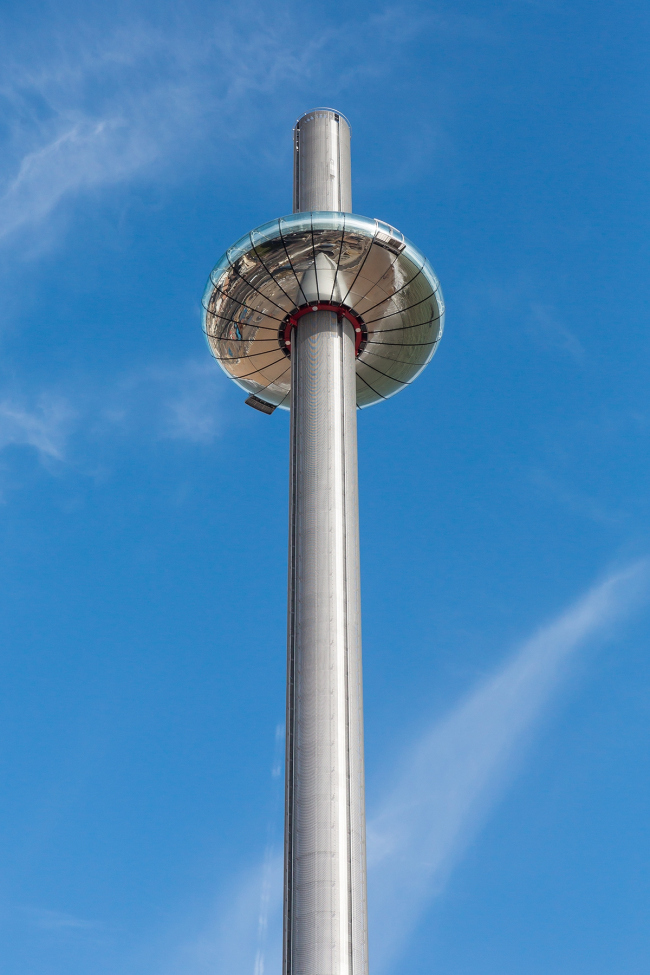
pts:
pixel 325 890
pixel 321 162
pixel 339 258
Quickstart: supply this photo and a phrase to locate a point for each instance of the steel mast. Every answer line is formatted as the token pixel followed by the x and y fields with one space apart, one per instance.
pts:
pixel 323 312
pixel 325 915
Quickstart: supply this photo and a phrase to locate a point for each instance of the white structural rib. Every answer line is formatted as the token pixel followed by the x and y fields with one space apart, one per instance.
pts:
pixel 325 915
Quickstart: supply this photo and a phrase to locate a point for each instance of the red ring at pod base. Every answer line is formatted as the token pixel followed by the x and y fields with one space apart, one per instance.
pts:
pixel 360 330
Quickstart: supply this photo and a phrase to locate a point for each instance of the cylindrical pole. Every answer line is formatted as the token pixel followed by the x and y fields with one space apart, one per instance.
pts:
pixel 321 162
pixel 325 916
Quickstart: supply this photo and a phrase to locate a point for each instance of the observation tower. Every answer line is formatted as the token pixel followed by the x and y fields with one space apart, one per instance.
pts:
pixel 322 313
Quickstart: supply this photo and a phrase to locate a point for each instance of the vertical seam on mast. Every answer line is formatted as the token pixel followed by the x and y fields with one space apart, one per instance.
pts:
pixel 346 650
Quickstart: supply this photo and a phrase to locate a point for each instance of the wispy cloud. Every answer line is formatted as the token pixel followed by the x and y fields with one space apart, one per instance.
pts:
pixel 545 325
pixel 581 502
pixel 83 116
pixel 450 779
pixel 105 105
pixel 178 402
pixel 228 942
pixel 80 155
pixel 45 426
pixel 443 788
pixel 243 933
pixel 270 899
pixel 57 921
pixel 112 105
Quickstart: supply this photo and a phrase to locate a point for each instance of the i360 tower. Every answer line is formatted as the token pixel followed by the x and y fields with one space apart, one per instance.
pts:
pixel 323 313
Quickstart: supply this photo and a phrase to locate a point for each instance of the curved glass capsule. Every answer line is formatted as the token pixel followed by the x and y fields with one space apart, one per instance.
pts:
pixel 337 259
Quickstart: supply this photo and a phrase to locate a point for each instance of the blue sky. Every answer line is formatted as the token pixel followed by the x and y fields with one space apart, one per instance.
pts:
pixel 505 519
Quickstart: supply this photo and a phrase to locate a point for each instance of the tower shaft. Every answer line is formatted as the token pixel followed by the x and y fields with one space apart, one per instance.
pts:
pixel 325 913
pixel 321 163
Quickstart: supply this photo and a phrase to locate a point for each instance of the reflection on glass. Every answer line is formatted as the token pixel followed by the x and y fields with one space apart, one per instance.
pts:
pixel 240 247
pixel 304 258
pixel 268 231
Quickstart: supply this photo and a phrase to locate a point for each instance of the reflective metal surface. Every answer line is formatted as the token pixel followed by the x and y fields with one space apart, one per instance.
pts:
pixel 334 258
pixel 323 312
pixel 325 918
pixel 325 930
pixel 321 162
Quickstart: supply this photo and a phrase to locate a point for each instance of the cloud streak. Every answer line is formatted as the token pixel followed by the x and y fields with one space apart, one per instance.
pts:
pixel 449 780
pixel 163 402
pixel 117 104
pixel 245 927
pixel 110 105
pixel 45 426
pixel 442 790
pixel 179 402
pixel 229 941
pixel 87 153
pixel 59 922
pixel 85 116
